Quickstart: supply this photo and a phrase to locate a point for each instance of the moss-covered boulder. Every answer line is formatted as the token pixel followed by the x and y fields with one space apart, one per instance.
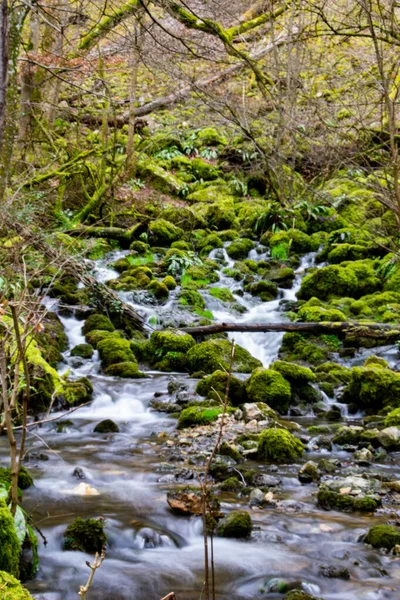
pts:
pixel 240 248
pixel 12 589
pixel 167 349
pixel 126 370
pixel 350 494
pixel 198 415
pixel 279 445
pixel 191 298
pixel 267 290
pixel 236 524
pixel 295 374
pixel 383 536
pixel 169 282
pixel 348 435
pixel 106 426
pixel 223 294
pixel 95 336
pixel 220 215
pixel 78 391
pixel 163 233
pixel 158 289
pixel 300 595
pixel 112 351
pixel 318 314
pixel 25 479
pixel 393 418
pixel 85 535
pixel 373 387
pixel 10 547
pixel 215 354
pixel 269 386
pixel 214 387
pixel 98 322
pixel 83 351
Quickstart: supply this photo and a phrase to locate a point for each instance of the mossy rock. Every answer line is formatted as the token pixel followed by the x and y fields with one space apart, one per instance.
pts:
pixel 170 348
pixel 113 351
pixel 163 233
pixel 267 290
pixel 52 340
pixel 158 289
pixel 183 216
pixel 331 500
pixel 169 282
pixel 269 386
pixel 300 595
pixel 298 241
pixel 83 351
pixel 393 418
pixel 239 249
pixel 223 294
pixel 214 387
pixel 220 215
pixel 126 369
pixel 10 547
pixel 348 435
pixel 318 314
pixel 85 535
pixel 372 388
pixel 237 524
pixel 159 178
pixel 210 137
pixel 215 354
pixel 98 322
pixel 191 298
pixel 78 391
pixel 346 252
pixel 106 426
pixel 25 479
pixel 383 536
pixel 95 336
pixel 279 445
pixel 12 589
pixel 198 415
pixel 204 170
pixel 139 247
pixel 295 374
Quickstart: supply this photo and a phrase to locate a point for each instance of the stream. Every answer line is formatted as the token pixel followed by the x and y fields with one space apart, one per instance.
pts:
pixel 150 550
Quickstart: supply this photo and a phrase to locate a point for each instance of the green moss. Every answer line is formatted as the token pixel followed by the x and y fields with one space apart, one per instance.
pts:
pixel 210 137
pixel 162 342
pixel 294 373
pixel 236 524
pixel 318 314
pixel 163 233
pixel 25 479
pixel 214 387
pixel 220 215
pixel 267 290
pixel 78 391
pixel 158 177
pixel 393 418
pixel 223 294
pixel 158 289
pixel 197 415
pixel 373 387
pixel 267 385
pixel 85 535
pixel 298 241
pixel 191 298
pixel 330 500
pixel 82 350
pixel 9 543
pixel 128 370
pixel 12 589
pixel 383 536
pixel 204 170
pixel 232 484
pixel 95 336
pixel 239 249
pixel 215 354
pixel 210 241
pixel 279 445
pixel 106 426
pixel 347 435
pixel 139 247
pixel 299 595
pixel 113 351
pixel 98 322
pixel 345 252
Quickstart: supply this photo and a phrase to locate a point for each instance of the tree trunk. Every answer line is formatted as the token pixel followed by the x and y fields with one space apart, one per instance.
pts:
pixel 3 65
pixel 370 330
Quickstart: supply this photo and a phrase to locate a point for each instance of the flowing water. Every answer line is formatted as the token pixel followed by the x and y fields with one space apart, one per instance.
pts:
pixel 152 551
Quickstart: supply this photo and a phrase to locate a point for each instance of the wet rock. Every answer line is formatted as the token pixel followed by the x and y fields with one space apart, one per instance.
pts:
pixel 264 480
pixel 333 572
pixel 230 450
pixel 34 456
pixel 392 485
pixel 150 537
pixel 85 535
pixel 174 385
pixel 84 489
pixel 106 426
pixel 183 398
pixel 334 414
pixel 348 435
pixel 323 441
pixel 351 493
pixel 167 407
pixel 363 457
pixel 281 586
pixel 389 438
pixel 189 502
pixel 328 465
pixel 309 472
pixel 235 525
pixel 383 536
pixel 279 445
pixel 300 595
pixel 257 498
pixel 232 484
pixel 83 351
pixel 79 473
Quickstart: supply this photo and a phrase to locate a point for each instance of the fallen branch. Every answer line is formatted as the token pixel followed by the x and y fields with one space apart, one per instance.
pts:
pixel 170 596
pixel 370 330
pixel 33 423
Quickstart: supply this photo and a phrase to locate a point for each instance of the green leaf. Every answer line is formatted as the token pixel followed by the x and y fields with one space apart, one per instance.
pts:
pixel 20 524
pixel 3 492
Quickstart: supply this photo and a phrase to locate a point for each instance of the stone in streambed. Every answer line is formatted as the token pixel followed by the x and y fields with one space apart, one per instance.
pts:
pixel 383 536
pixel 83 351
pixel 333 572
pixel 309 472
pixel 106 426
pixel 189 502
pixel 235 525
pixel 349 494
pixel 85 535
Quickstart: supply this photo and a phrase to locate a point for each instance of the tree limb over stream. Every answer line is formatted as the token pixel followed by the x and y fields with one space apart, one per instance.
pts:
pixel 351 328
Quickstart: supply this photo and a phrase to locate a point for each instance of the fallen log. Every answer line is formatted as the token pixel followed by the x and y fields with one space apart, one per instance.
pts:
pixel 353 328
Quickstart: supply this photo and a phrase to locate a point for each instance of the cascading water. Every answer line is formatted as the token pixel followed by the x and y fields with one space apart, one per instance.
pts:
pixel 122 477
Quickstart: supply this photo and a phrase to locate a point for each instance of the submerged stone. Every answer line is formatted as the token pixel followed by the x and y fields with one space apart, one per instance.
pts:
pixel 106 426
pixel 236 524
pixel 85 535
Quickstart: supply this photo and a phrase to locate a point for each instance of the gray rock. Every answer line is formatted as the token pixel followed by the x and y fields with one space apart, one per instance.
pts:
pixel 257 498
pixel 334 572
pixel 309 472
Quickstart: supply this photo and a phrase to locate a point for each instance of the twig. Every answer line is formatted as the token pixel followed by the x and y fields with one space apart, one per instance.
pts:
pixel 53 418
pixel 170 596
pixel 98 560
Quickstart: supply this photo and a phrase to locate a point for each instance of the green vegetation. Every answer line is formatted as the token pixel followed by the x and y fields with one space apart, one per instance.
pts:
pixel 85 535
pixel 279 445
